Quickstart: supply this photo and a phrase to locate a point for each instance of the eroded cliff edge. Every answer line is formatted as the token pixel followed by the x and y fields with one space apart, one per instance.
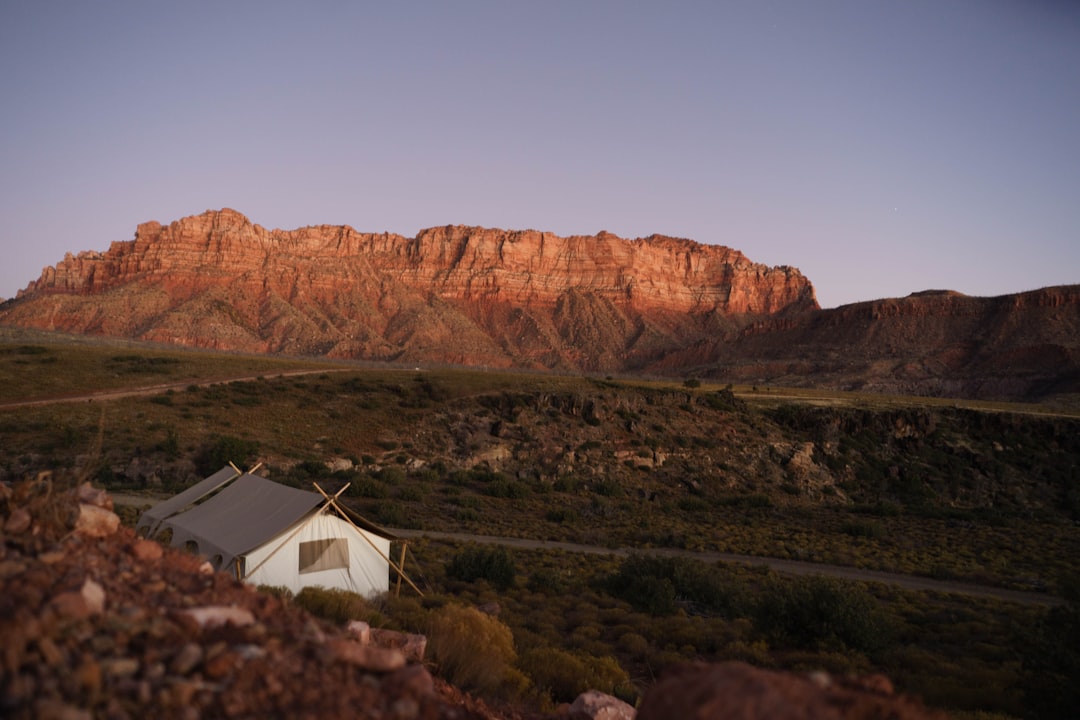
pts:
pixel 452 294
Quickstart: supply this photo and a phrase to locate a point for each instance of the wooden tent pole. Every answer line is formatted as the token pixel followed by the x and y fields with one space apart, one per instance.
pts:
pixel 401 564
pixel 363 534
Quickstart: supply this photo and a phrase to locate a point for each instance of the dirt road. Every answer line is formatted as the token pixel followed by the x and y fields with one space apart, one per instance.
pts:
pixel 782 566
pixel 158 389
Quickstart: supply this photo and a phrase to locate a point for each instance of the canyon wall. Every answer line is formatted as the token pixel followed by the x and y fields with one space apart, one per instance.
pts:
pixel 452 294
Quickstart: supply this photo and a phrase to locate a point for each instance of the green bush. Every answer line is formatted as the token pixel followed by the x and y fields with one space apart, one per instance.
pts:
pixel 493 564
pixel 817 611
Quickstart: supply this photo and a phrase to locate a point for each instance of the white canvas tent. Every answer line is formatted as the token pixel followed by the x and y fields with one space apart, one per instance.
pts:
pixel 271 534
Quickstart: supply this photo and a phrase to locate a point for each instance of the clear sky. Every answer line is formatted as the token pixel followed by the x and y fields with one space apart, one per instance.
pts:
pixel 880 147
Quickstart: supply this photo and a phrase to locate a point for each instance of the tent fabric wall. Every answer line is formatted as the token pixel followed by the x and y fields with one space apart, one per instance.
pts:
pixel 277 561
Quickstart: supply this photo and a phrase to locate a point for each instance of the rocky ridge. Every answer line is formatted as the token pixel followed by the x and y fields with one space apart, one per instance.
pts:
pixel 452 294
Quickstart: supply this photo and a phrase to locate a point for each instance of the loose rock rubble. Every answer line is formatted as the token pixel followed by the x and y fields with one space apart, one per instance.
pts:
pixel 98 623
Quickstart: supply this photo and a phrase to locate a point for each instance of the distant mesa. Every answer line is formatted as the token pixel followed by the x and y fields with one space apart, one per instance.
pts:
pixel 929 293
pixel 460 295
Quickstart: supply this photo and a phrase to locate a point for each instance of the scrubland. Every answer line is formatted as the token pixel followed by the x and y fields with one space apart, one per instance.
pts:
pixel 947 489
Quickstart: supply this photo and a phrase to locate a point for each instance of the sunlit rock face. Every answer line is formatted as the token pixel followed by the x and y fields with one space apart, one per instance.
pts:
pixel 454 294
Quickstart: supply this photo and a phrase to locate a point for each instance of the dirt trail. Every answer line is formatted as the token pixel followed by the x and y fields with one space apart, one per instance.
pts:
pixel 157 389
pixel 782 566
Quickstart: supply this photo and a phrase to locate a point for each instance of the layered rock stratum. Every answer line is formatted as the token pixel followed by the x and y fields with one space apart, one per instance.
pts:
pixel 530 299
pixel 462 295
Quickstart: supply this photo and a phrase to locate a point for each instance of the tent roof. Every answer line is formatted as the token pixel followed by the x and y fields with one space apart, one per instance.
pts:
pixel 243 516
pixel 175 504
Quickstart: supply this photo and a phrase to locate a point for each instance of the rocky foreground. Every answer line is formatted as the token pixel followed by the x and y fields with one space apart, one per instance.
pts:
pixel 96 622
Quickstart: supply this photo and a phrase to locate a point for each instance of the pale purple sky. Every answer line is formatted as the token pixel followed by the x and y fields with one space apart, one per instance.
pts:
pixel 880 147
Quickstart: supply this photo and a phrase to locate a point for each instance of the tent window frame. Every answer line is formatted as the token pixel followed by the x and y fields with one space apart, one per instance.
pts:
pixel 323 554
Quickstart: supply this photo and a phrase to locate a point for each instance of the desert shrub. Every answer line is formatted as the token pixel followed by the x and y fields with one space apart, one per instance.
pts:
pixel 493 564
pixel 863 528
pixel 693 504
pixel 1052 662
pixel 392 514
pixel 474 651
pixel 220 450
pixel 405 613
pixel 755 500
pixel 337 606
pixel 607 487
pixel 392 475
pixel 691 383
pixel 368 487
pixel 817 611
pixel 656 584
pixel 410 494
pixel 633 644
pixel 278 591
pixel 722 400
pixel 171 444
pixel 507 488
pixel 654 595
pixel 565 675
pixel 545 581
pixel 561 515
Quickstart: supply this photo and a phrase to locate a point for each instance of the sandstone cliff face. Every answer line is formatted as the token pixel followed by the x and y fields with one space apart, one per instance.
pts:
pixel 452 294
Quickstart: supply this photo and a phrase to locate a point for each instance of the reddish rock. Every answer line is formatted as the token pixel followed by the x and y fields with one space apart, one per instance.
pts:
pixel 18 522
pixel 87 493
pixel 69 606
pixel 412 680
pixel 146 550
pixel 187 659
pixel 217 615
pixel 369 657
pixel 96 522
pixel 94 596
pixel 412 646
pixel 737 691
pixel 359 631
pixel 595 705
pixel 221 665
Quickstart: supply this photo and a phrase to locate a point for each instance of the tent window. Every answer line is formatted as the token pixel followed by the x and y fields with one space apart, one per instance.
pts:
pixel 326 554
